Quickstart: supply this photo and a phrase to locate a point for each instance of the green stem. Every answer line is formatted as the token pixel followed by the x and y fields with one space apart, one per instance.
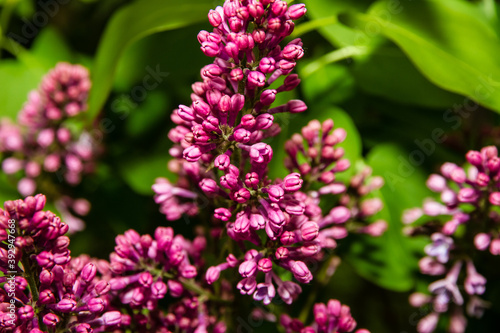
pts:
pixel 30 277
pixel 337 55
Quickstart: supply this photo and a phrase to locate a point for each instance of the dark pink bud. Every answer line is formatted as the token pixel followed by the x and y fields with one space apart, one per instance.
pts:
pixel 286 65
pixel 296 11
pixel 211 124
pixel 482 241
pixel 282 253
pixel 287 238
pixel 210 49
pixel 493 165
pixel 188 271
pixel 164 237
pixel 251 179
pixel 213 97
pixel 242 135
pixel 242 195
pixel 145 279
pixel 176 288
pixel 235 24
pixel 495 247
pixel 96 305
pixel 222 214
pixel 257 221
pixel 267 65
pixel 186 113
pixel 225 103
pixel 158 289
pixel 256 9
pixel 88 272
pixel 213 274
pixel 256 79
pixel 300 271
pixel 201 108
pixel 265 265
pixel 296 106
pixel 242 223
pixel 192 153
pixel 268 96
pixel 292 182
pixel 232 50
pixel 214 18
pixel 339 214
pixel 264 121
pixel 474 158
pixel 274 24
pixel 275 193
pixel 259 36
pixel 248 121
pixel 209 185
pixel 51 320
pixel 236 74
pixel 467 195
pixel 237 102
pixel 309 231
pixel 292 52
pixel 247 268
pixel 111 318
pixel 458 175
pixel 279 7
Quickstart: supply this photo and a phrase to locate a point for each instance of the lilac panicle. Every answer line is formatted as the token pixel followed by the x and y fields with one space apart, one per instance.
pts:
pixel 332 317
pixel 55 291
pixel 43 145
pixel 468 200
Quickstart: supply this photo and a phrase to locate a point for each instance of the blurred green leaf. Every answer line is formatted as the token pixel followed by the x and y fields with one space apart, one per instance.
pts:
pixel 20 76
pixel 146 116
pixel 140 172
pixel 448 41
pixel 336 33
pixel 129 24
pixel 17 81
pixel 388 73
pixel 332 84
pixel 391 260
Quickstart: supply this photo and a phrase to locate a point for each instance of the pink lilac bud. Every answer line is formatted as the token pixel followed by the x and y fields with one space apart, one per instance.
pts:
pixel 495 247
pixel 300 271
pixel 214 18
pixel 482 241
pixel 256 79
pixel 247 268
pixel 296 11
pixel 265 265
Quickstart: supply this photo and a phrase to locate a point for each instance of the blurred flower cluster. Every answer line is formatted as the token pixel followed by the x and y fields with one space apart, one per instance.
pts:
pixel 464 227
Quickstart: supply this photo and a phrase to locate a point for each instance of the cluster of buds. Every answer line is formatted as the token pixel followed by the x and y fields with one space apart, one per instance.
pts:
pixel 221 157
pixel 54 292
pixel 143 270
pixel 328 318
pixel 463 225
pixel 44 149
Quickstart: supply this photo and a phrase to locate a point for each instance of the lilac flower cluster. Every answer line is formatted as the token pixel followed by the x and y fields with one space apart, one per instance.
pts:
pixel 143 269
pixel 221 156
pixel 54 291
pixel 328 318
pixel 462 225
pixel 44 148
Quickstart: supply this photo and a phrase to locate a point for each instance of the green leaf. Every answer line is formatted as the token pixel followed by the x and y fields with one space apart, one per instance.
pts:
pixel 140 173
pixel 326 11
pixel 332 84
pixel 17 81
pixel 392 259
pixel 129 24
pixel 448 41
pixel 388 73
